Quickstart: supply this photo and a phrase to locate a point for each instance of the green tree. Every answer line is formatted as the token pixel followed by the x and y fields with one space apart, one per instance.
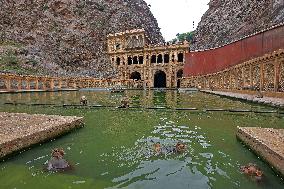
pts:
pixel 188 36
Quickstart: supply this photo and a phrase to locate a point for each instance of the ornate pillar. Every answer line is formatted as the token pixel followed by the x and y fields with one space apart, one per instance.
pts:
pixel 88 83
pixel 74 84
pixel 28 84
pixel 81 83
pixel 276 75
pixel 51 84
pixel 250 76
pixel 94 83
pixel 261 77
pixel 36 84
pixel 44 84
pixel 59 83
pixel 8 83
pixel 243 78
pixel 19 84
pixel 222 78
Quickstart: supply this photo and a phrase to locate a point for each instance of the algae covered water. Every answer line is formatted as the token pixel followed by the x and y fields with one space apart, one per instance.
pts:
pixel 114 149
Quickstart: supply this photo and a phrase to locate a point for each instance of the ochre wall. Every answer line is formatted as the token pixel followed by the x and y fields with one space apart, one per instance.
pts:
pixel 212 61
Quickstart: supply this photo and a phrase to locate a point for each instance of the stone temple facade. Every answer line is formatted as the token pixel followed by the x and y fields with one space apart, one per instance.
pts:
pixel 159 66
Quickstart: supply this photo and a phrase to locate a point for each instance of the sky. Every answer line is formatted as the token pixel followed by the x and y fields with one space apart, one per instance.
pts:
pixel 177 16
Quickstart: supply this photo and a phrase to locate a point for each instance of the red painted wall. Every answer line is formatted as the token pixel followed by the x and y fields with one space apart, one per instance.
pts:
pixel 211 61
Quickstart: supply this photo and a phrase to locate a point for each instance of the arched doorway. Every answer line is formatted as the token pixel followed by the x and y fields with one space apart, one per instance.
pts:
pixel 135 76
pixel 160 79
pixel 179 76
pixel 180 57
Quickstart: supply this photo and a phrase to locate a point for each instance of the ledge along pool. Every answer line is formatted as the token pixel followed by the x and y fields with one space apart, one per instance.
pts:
pixel 114 149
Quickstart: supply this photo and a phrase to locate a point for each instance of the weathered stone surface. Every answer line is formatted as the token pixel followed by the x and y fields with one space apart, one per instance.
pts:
pixel 271 101
pixel 68 37
pixel 20 130
pixel 229 20
pixel 135 58
pixel 265 142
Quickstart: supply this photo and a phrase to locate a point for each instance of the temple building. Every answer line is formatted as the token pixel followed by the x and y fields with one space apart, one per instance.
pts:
pixel 159 66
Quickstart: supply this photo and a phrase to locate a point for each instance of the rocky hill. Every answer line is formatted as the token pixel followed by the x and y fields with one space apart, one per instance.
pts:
pixel 229 20
pixel 67 37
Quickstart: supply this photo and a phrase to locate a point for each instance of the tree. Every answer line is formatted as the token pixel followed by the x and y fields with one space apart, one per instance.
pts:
pixel 188 36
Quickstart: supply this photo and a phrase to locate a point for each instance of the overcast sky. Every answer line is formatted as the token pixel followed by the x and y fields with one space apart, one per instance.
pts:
pixel 177 16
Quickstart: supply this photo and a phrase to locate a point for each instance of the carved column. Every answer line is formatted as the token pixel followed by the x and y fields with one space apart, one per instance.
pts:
pixel 51 84
pixel 250 76
pixel 36 84
pixel 243 77
pixel 230 78
pixel 74 84
pixel 8 83
pixel 19 84
pixel 28 84
pixel 261 76
pixel 44 84
pixel 94 83
pixel 276 75
pixel 59 83
pixel 81 83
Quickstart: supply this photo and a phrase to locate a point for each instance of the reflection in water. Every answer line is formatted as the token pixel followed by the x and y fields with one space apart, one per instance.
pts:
pixel 115 149
pixel 163 174
pixel 159 98
pixel 170 99
pixel 168 169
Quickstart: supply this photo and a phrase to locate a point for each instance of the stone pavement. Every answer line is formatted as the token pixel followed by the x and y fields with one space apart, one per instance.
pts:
pixel 21 130
pixel 276 102
pixel 268 143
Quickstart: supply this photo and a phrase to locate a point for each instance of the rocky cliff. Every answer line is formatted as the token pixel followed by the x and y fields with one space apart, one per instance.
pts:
pixel 68 37
pixel 229 20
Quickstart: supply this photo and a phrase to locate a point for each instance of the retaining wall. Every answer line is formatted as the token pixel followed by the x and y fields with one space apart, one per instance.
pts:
pixel 265 142
pixel 19 130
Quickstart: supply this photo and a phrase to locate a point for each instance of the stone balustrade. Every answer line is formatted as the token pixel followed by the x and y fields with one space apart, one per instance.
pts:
pixel 264 73
pixel 11 82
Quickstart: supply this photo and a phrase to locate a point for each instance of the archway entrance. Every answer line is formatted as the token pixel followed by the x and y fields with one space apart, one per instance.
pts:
pixel 179 76
pixel 160 79
pixel 135 76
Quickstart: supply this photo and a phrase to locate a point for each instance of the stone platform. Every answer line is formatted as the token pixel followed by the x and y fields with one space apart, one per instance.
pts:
pixel 267 143
pixel 20 130
pixel 271 101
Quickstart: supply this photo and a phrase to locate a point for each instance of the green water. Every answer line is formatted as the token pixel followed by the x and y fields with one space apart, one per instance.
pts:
pixel 114 149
